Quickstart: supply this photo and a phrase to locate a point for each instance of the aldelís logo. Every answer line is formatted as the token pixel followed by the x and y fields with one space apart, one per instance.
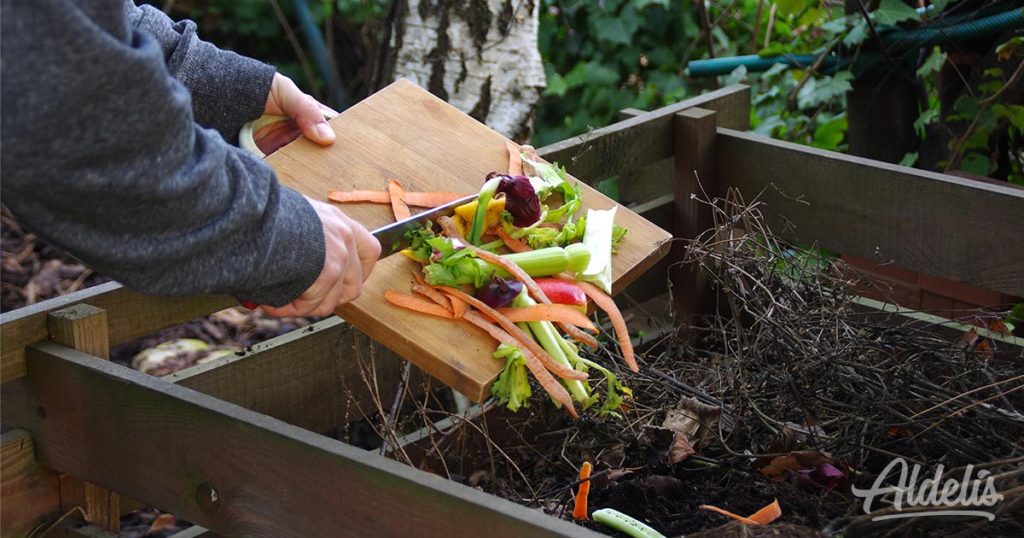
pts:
pixel 961 496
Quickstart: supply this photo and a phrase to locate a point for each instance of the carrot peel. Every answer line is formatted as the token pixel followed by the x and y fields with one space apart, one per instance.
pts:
pixel 398 205
pixel 579 510
pixel 764 516
pixel 607 304
pixel 411 302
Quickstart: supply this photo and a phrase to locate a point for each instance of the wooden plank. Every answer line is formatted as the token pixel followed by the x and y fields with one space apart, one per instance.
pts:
pixel 696 179
pixel 646 138
pixel 30 492
pixel 658 211
pixel 308 377
pixel 235 471
pixel 130 316
pixel 83 327
pixel 921 221
pixel 406 133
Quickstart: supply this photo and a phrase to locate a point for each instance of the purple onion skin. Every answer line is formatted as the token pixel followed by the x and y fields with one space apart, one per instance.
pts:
pixel 499 292
pixel 521 200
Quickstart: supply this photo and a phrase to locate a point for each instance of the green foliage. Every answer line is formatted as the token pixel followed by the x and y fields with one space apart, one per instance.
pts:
pixel 894 11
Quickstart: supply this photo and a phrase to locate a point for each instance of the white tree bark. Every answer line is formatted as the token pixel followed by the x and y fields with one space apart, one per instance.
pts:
pixel 479 55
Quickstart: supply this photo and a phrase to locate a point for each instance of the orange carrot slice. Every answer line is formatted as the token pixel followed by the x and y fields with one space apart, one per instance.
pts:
pixel 549 312
pixel 411 302
pixel 431 199
pixel 533 289
pixel 515 161
pixel 398 205
pixel 763 516
pixel 579 509
pixel 544 377
pixel 374 197
pixel 524 339
pixel 512 243
pixel 607 304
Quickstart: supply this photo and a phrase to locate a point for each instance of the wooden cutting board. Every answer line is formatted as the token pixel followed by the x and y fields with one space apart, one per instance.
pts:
pixel 404 132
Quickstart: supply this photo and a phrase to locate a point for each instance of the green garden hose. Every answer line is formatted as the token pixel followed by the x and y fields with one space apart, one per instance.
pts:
pixel 894 40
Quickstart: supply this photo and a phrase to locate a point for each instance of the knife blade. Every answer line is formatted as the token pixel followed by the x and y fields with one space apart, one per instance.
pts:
pixel 393 237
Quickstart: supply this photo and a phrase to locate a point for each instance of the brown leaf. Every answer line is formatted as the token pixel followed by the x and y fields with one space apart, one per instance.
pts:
pixel 681 449
pixel 698 421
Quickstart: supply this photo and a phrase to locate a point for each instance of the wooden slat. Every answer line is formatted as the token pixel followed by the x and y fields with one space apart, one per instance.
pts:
pixel 308 377
pixel 29 490
pixel 83 327
pixel 646 138
pixel 938 224
pixel 269 478
pixel 130 315
pixel 696 182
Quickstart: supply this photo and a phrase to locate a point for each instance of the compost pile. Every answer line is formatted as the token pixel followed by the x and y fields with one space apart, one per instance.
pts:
pixel 792 393
pixel 33 270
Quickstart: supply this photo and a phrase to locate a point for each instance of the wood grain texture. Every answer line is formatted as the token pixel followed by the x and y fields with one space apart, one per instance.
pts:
pixel 129 315
pixel 83 327
pixel 938 224
pixel 270 478
pixel 29 491
pixel 643 139
pixel 406 133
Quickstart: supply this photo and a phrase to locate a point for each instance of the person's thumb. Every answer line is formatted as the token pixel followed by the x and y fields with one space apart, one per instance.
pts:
pixel 310 119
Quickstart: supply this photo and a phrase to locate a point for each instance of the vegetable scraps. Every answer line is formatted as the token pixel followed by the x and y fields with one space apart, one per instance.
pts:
pixel 518 265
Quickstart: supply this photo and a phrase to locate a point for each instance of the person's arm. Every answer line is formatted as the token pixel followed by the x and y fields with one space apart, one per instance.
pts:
pixel 227 89
pixel 102 157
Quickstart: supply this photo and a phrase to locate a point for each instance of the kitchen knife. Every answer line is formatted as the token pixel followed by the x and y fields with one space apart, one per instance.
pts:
pixel 393 237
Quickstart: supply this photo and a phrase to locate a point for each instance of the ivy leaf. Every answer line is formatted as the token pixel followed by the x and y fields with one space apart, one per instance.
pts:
pixel 824 89
pixel 977 164
pixel 828 135
pixel 909 159
pixel 1013 113
pixel 894 11
pixel 926 117
pixel 857 34
pixel 1014 45
pixel 932 64
pixel 792 7
pixel 612 30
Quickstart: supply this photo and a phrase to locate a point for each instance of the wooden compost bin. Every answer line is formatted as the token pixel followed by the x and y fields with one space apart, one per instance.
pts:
pixel 233 445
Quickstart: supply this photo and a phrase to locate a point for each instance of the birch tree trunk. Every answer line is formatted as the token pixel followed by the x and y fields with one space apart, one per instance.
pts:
pixel 479 55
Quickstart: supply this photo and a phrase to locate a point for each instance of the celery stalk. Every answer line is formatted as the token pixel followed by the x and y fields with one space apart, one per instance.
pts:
pixel 542 262
pixel 547 336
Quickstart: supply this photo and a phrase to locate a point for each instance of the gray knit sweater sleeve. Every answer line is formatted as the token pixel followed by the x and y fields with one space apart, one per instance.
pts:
pixel 227 89
pixel 102 155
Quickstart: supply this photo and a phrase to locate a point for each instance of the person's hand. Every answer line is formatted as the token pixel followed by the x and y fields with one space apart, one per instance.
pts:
pixel 351 253
pixel 306 117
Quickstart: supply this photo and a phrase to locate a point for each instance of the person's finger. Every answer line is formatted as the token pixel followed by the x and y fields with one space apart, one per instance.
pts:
pixel 338 294
pixel 307 114
pixel 353 280
pixel 368 249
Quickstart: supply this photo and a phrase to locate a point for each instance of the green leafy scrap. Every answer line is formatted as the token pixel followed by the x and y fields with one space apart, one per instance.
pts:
pixel 512 388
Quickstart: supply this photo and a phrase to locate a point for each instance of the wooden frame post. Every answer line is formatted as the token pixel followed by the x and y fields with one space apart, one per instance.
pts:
pixel 84 328
pixel 695 178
